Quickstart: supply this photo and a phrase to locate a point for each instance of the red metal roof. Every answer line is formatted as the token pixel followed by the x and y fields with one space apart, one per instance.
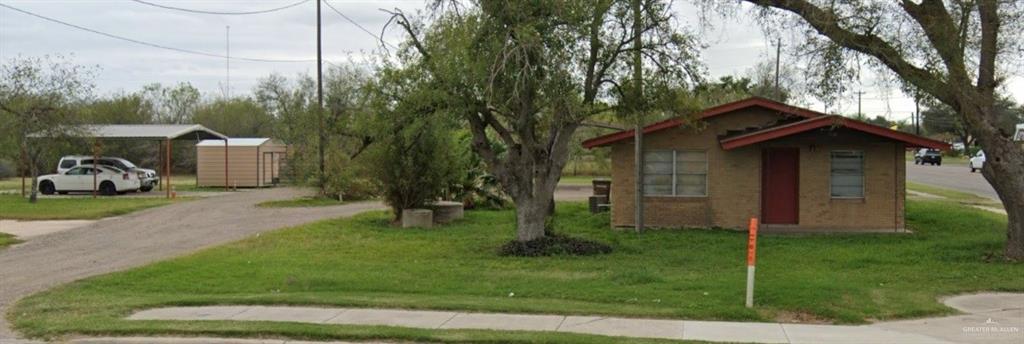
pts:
pixel 605 140
pixel 834 121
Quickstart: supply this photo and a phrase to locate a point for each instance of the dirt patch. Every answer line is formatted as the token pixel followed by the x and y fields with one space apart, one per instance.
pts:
pixel 800 317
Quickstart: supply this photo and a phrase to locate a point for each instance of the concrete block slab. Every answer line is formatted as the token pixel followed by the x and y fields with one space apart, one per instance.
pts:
pixel 29 229
pixel 391 317
pixel 994 328
pixel 733 332
pixel 288 314
pixel 986 302
pixel 834 334
pixel 190 313
pixel 421 218
pixel 623 327
pixel 504 322
pixel 446 211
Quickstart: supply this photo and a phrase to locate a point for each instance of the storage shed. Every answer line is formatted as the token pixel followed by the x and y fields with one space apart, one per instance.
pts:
pixel 251 162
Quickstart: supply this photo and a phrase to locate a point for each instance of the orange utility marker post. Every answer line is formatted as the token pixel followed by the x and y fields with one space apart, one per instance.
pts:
pixel 751 261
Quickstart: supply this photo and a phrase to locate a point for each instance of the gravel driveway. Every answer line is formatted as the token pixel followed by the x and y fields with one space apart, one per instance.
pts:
pixel 148 236
pixel 951 176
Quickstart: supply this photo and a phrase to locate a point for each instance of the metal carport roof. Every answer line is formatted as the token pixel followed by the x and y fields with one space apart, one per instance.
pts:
pixel 148 131
pixel 165 133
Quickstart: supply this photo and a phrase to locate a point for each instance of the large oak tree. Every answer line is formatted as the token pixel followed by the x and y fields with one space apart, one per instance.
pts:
pixel 524 75
pixel 954 51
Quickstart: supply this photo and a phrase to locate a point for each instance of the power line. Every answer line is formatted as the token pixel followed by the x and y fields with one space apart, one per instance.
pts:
pixel 153 45
pixel 221 13
pixel 361 27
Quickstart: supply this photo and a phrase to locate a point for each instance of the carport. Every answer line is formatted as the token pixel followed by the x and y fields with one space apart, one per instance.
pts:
pixel 164 134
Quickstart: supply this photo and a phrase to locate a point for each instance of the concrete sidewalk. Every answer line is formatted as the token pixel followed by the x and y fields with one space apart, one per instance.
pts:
pixel 989 318
pixel 714 331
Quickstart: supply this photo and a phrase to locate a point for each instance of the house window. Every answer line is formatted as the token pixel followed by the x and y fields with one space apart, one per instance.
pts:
pixel 658 172
pixel 676 173
pixel 847 177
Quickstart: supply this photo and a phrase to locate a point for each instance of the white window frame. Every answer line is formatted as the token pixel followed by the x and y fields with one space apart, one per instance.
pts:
pixel 863 173
pixel 675 172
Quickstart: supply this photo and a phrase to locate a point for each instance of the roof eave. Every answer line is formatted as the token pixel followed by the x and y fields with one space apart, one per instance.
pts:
pixel 609 139
pixel 835 121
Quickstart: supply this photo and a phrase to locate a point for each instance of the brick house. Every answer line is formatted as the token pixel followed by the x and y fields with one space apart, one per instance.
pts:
pixel 794 168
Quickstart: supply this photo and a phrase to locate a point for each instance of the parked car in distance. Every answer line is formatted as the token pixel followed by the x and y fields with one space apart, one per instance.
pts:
pixel 147 177
pixel 977 161
pixel 109 180
pixel 958 146
pixel 928 156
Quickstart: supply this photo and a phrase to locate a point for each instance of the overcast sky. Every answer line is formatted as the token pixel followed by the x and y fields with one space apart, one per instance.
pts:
pixel 733 46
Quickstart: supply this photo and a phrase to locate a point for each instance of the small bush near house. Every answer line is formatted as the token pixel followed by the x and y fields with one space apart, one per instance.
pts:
pixel 416 156
pixel 416 163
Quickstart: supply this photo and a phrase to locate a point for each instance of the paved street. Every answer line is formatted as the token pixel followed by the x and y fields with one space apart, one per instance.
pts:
pixel 949 176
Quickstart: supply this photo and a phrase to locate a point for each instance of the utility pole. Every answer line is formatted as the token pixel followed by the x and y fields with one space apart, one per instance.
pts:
pixel 859 113
pixel 227 62
pixel 778 59
pixel 322 180
pixel 638 94
pixel 917 114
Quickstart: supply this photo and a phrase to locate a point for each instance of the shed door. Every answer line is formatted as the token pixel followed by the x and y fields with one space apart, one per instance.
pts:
pixel 268 170
pixel 780 186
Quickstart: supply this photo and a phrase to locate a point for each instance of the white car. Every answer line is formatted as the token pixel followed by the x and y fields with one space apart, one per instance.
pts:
pixel 977 161
pixel 109 181
pixel 148 177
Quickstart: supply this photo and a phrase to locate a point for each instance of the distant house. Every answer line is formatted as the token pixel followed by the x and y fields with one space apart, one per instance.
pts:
pixel 794 168
pixel 1019 135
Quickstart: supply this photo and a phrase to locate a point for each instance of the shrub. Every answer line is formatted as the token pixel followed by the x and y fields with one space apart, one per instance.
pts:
pixel 475 187
pixel 347 177
pixel 416 163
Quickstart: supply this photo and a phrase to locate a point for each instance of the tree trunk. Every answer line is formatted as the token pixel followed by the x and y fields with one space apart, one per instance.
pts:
pixel 531 218
pixel 534 197
pixel 1004 170
pixel 34 193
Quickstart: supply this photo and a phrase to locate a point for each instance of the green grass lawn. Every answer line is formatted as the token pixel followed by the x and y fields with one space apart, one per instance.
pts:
pixel 301 202
pixel 689 274
pixel 7 240
pixel 955 196
pixel 187 182
pixel 12 184
pixel 16 207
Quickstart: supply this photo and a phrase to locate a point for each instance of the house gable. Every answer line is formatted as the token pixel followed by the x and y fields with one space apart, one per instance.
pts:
pixel 781 110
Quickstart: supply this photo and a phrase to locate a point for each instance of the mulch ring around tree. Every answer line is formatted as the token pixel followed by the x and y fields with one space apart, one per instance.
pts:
pixel 554 244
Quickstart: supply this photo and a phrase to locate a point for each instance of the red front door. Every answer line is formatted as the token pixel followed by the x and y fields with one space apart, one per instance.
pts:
pixel 780 186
